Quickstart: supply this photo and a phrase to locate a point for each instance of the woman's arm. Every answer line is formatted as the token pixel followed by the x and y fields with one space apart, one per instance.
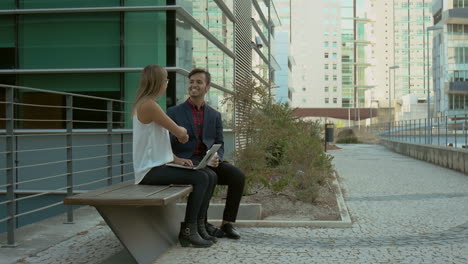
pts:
pixel 149 111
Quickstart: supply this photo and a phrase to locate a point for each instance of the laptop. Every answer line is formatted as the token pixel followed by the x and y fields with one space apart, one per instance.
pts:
pixel 209 154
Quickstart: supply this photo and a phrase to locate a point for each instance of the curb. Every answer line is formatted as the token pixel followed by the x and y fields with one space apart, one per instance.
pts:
pixel 345 221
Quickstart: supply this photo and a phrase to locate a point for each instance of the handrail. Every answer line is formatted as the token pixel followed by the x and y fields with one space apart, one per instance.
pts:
pixel 42 157
pixel 447 131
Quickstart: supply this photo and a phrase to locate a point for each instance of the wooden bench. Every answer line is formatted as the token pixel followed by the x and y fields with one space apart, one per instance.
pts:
pixel 143 217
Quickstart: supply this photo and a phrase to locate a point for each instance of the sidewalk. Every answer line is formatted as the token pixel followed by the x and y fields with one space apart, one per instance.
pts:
pixel 404 211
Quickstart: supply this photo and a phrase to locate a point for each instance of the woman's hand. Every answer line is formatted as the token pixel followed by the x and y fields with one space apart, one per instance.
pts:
pixel 181 161
pixel 182 136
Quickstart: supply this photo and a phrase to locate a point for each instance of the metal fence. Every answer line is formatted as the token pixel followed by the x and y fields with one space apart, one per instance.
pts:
pixel 53 146
pixel 449 131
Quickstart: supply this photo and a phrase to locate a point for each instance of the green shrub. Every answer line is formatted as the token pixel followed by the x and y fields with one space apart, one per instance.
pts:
pixel 283 153
pixel 346 136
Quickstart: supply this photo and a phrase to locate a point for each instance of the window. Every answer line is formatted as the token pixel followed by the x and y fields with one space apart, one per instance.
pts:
pixel 335 77
pixel 326 89
pixel 327 77
pixel 326 55
pixel 335 100
pixel 460 3
pixel 334 66
pixel 326 100
pixel 334 45
pixel 326 67
pixel 335 89
pixel 335 56
pixel 303 88
pixel 7 62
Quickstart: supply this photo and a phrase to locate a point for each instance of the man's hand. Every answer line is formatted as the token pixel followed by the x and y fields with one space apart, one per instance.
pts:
pixel 214 161
pixel 182 137
pixel 181 161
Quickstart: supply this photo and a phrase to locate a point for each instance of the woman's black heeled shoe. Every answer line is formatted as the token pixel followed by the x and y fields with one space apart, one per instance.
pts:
pixel 189 236
pixel 203 233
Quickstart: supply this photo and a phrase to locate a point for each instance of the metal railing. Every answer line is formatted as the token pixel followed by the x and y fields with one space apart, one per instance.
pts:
pixel 449 131
pixel 52 148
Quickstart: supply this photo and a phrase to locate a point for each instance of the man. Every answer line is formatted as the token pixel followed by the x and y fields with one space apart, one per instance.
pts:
pixel 205 128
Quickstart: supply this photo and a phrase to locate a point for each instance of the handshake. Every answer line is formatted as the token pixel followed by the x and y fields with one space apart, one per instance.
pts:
pixel 182 135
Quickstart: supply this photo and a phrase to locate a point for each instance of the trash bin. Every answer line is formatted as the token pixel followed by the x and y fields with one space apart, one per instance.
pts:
pixel 329 130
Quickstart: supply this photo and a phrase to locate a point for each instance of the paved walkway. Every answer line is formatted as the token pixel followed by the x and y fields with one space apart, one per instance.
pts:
pixel 404 211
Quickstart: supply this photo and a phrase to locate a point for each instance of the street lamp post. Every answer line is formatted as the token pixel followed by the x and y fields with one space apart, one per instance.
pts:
pixel 390 96
pixel 429 123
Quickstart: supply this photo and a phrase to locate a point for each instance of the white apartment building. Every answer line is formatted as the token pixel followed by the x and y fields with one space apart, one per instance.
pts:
pixel 401 56
pixel 316 48
pixel 332 48
pixel 450 64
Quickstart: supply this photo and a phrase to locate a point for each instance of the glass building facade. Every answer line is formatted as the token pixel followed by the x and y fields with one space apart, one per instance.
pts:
pixel 355 54
pixel 99 47
pixel 411 18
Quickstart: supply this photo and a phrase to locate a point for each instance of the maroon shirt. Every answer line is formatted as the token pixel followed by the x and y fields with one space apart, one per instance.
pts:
pixel 198 115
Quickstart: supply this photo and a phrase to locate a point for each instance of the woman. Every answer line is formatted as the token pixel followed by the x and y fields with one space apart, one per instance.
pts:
pixel 152 150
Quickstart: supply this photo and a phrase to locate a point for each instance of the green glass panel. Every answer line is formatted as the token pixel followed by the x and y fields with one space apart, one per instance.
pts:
pixel 7 4
pixel 7 31
pixel 145 38
pixel 67 3
pixel 145 43
pixel 69 41
pixel 72 82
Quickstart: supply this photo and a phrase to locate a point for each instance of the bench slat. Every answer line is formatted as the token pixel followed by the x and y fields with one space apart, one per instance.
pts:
pixel 128 193
pixel 169 195
pixel 93 193
pixel 134 191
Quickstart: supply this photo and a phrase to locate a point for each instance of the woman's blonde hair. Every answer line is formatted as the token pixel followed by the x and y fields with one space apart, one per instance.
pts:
pixel 152 80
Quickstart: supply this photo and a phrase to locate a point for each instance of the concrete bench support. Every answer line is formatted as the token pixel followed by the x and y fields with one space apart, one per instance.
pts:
pixel 144 218
pixel 146 232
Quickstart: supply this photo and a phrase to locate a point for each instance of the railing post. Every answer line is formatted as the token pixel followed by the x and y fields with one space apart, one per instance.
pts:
pixel 69 127
pixel 10 189
pixel 455 130
pixel 438 131
pixel 426 123
pixel 109 142
pixel 446 131
pixel 399 130
pixel 419 131
pixel 464 131
pixel 405 126
pixel 405 135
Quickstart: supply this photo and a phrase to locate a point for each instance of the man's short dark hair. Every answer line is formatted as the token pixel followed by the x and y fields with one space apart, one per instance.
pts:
pixel 200 70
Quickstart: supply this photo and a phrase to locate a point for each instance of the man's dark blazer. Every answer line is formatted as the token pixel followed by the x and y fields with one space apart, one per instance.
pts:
pixel 212 130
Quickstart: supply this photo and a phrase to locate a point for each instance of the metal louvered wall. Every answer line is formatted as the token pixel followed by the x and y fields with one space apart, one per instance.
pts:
pixel 243 66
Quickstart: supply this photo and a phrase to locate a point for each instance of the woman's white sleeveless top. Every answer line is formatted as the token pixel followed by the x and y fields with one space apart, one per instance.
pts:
pixel 151 147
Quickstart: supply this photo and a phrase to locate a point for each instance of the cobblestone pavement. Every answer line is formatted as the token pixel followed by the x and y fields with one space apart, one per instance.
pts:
pixel 404 211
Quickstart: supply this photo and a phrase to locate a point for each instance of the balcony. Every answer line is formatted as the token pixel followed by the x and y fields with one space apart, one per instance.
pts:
pixel 458 87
